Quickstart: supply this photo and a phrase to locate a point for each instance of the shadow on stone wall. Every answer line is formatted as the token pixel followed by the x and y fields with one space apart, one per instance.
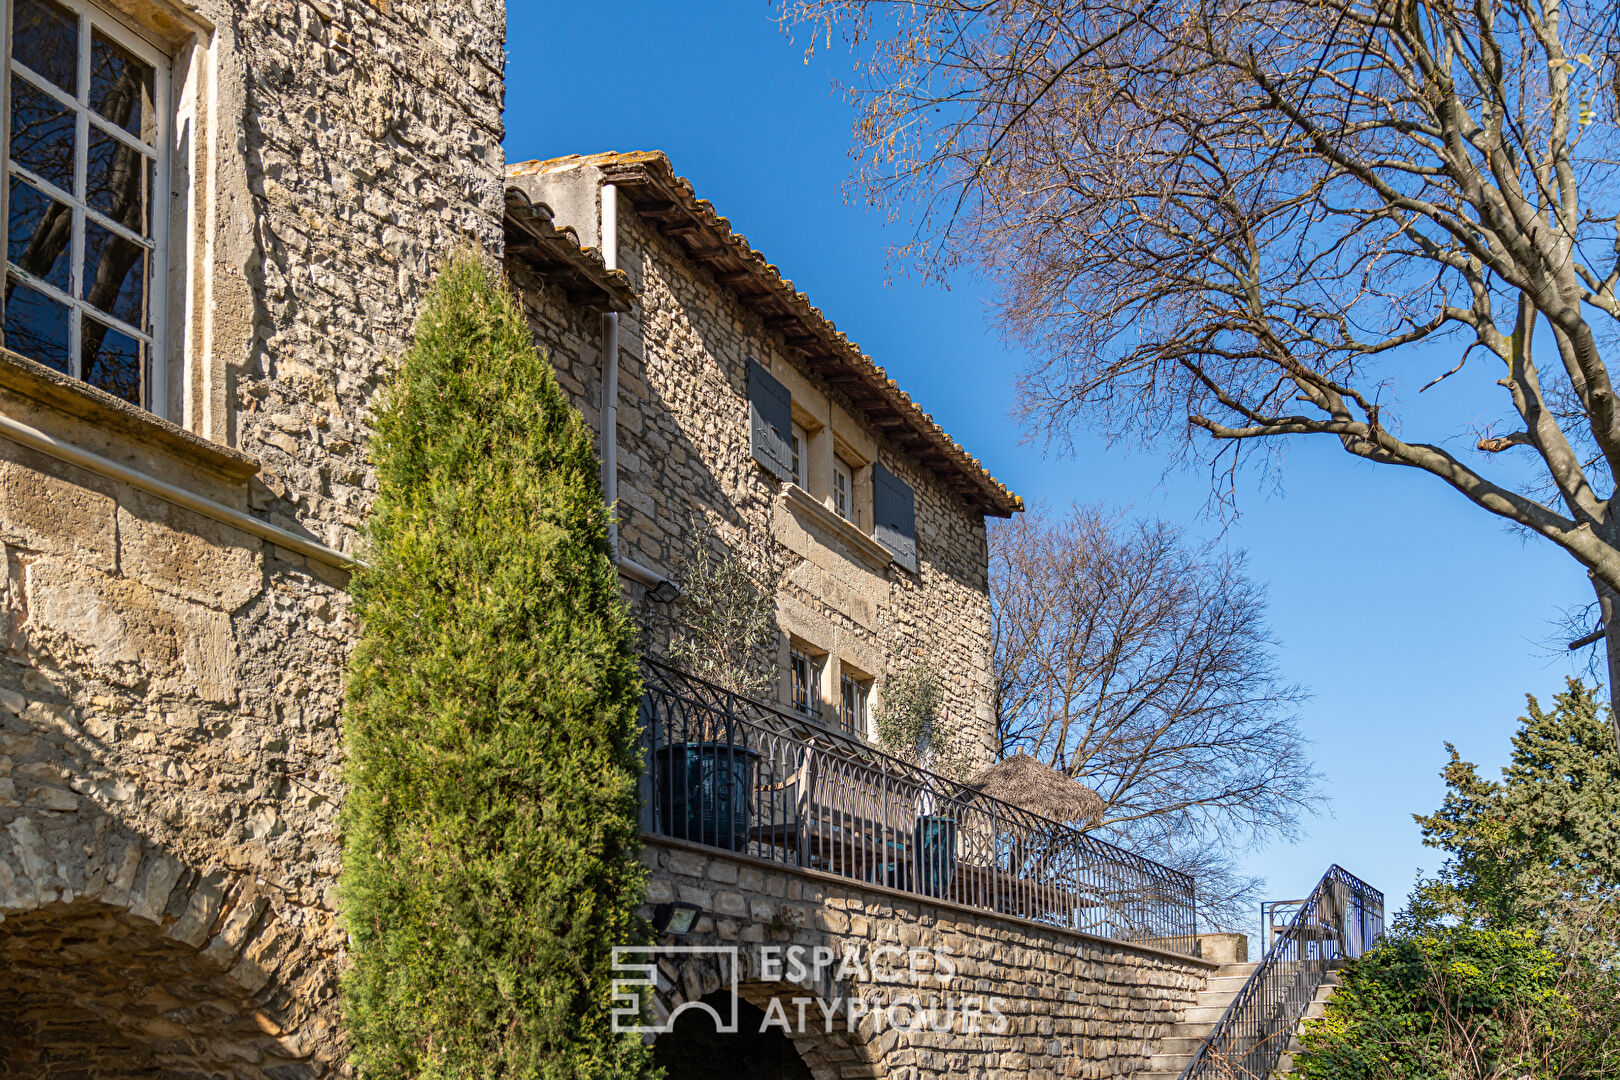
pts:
pixel 120 959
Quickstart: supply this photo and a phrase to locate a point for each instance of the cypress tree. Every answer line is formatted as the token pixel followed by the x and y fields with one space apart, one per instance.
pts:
pixel 490 830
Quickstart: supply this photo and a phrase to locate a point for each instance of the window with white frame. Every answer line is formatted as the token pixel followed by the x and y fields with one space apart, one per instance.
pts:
pixel 843 488
pixel 801 457
pixel 853 697
pixel 86 164
pixel 804 679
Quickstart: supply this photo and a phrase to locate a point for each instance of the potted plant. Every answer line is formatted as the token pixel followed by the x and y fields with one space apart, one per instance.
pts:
pixel 910 723
pixel 724 631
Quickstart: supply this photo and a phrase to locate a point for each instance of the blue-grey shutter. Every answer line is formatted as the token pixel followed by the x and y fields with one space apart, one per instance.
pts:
pixel 770 422
pixel 894 516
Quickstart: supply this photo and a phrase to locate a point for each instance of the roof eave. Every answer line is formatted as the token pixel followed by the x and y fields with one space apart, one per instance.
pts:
pixel 648 180
pixel 533 237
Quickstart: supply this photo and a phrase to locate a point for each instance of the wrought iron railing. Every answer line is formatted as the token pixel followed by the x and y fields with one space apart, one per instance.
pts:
pixel 1341 919
pixel 730 772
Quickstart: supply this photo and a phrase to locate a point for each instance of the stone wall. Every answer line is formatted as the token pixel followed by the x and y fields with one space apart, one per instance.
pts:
pixel 684 458
pixel 170 685
pixel 1074 1005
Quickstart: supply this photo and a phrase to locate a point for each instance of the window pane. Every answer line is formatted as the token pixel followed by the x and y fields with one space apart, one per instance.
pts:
pixel 39 234
pixel 36 326
pixel 42 137
pixel 45 37
pixel 119 181
pixel 113 361
pixel 121 87
pixel 115 274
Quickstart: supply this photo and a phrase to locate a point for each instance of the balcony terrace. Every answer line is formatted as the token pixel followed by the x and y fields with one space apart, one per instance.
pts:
pixel 734 774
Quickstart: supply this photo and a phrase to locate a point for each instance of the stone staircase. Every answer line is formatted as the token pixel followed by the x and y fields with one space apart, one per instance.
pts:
pixel 1184 1038
pixel 1330 983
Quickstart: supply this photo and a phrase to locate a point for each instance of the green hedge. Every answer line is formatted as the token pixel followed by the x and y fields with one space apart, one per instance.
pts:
pixel 490 830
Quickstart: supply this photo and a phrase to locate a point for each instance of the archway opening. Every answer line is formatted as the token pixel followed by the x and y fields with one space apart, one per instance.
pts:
pixel 694 1050
pixel 90 993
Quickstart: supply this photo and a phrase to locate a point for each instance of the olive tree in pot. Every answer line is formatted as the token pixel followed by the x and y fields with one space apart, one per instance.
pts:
pixel 911 724
pixel 723 630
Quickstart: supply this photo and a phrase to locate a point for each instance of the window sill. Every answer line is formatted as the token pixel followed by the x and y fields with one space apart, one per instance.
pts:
pixel 862 546
pixel 79 413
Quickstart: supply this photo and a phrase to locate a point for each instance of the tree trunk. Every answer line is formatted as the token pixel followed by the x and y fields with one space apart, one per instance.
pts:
pixel 1609 609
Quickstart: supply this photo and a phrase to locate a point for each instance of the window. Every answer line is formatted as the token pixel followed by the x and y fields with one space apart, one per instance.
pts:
pixel 843 488
pixel 86 165
pixel 801 457
pixel 852 704
pixel 804 673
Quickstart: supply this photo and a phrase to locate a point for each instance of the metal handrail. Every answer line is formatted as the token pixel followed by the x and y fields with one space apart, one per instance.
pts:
pixel 1341 919
pixel 735 773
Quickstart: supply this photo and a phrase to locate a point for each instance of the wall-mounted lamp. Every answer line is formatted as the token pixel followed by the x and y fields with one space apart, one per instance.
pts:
pixel 665 592
pixel 675 919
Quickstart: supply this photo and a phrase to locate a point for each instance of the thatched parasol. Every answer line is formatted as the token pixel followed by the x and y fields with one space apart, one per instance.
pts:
pixel 1040 789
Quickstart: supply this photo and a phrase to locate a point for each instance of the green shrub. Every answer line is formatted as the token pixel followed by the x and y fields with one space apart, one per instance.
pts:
pixel 1505 965
pixel 1427 1002
pixel 490 830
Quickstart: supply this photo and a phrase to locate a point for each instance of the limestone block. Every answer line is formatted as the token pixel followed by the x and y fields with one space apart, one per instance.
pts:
pixel 201 911
pixel 123 622
pixel 152 896
pixel 41 511
pixel 25 846
pixel 17 892
pixel 227 944
pixel 178 551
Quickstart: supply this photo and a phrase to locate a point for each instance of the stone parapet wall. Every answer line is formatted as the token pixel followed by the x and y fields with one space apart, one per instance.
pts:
pixel 1075 1005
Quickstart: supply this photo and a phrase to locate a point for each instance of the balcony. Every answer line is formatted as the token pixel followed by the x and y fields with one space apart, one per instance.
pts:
pixel 731 773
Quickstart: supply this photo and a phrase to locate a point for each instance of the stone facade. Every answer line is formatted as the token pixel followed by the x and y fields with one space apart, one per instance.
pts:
pixel 170 688
pixel 685 462
pixel 175 615
pixel 1073 1005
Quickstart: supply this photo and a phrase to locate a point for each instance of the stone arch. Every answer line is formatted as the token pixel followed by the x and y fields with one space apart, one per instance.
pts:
pixel 121 960
pixel 841 1053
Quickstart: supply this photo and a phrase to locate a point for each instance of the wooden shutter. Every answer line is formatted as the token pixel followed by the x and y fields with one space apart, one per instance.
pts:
pixel 894 516
pixel 770 422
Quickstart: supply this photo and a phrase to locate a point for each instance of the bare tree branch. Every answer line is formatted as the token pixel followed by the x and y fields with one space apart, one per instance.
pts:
pixel 1141 665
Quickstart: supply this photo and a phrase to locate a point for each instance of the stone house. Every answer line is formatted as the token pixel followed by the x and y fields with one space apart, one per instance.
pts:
pixel 739 404
pixel 222 216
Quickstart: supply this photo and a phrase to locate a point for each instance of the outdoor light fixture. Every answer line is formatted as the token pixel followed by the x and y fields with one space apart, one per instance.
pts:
pixel 675 918
pixel 665 592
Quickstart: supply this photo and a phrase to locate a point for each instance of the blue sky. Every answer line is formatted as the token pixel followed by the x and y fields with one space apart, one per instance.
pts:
pixel 1413 617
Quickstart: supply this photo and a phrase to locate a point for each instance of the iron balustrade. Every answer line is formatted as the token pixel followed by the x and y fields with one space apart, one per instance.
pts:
pixel 733 773
pixel 1341 919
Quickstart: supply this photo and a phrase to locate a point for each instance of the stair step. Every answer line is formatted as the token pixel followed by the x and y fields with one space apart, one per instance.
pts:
pixel 1161 1063
pixel 1181 1044
pixel 1230 970
pixel 1203 1014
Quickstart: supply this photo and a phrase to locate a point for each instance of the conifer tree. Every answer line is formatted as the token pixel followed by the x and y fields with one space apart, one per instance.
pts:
pixel 1543 839
pixel 490 830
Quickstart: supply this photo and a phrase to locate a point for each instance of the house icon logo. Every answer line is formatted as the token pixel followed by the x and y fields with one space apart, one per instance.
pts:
pixel 640 963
